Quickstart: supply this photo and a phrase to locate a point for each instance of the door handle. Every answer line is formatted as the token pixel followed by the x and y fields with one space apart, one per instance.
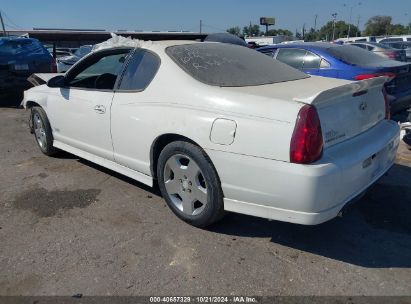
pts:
pixel 100 109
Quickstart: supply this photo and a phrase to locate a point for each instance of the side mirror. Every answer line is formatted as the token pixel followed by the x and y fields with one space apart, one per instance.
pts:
pixel 56 82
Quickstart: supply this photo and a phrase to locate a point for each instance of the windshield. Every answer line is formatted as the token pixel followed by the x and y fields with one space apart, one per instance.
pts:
pixel 401 45
pixel 355 56
pixel 15 47
pixel 83 50
pixel 229 65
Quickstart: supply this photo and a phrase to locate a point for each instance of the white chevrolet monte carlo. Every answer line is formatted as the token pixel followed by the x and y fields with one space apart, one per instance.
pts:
pixel 220 127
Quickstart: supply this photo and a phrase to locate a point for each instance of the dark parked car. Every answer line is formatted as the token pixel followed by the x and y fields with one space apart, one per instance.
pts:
pixel 382 50
pixel 347 62
pixel 401 45
pixel 19 58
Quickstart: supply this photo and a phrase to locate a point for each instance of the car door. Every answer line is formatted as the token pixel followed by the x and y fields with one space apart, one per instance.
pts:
pixel 80 110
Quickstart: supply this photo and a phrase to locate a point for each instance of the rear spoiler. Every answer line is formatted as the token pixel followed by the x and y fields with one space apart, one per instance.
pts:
pixel 357 87
pixel 42 78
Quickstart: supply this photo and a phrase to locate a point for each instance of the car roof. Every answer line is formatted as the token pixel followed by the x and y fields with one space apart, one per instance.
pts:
pixel 14 38
pixel 174 42
pixel 314 45
pixel 376 44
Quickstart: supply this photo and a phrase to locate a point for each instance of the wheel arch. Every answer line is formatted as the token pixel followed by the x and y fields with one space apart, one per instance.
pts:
pixel 158 145
pixel 30 104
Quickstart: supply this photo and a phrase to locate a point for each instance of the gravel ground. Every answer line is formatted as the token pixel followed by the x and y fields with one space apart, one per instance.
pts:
pixel 68 226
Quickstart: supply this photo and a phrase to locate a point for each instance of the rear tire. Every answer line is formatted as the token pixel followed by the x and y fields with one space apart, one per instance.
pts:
pixel 42 131
pixel 189 184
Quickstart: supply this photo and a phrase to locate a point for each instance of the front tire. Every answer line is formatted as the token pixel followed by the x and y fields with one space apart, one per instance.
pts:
pixel 189 184
pixel 42 131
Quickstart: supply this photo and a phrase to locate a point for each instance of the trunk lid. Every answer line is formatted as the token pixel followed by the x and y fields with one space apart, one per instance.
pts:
pixel 349 110
pixel 345 108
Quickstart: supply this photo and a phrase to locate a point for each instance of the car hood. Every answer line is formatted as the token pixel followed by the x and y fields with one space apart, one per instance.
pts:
pixel 69 59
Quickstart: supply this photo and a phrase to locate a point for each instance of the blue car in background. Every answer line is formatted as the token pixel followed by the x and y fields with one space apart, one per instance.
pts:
pixel 347 62
pixel 19 58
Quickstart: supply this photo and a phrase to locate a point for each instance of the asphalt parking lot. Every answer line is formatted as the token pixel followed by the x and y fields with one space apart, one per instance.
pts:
pixel 69 227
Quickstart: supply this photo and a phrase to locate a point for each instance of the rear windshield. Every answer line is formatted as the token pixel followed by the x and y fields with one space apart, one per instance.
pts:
pixel 20 46
pixel 227 65
pixel 383 46
pixel 355 56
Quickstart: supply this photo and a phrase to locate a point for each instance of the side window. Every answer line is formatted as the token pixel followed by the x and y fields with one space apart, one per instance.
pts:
pixel 292 57
pixel 324 64
pixel 140 71
pixel 408 39
pixel 370 48
pixel 101 73
pixel 390 40
pixel 311 61
pixel 269 53
pixel 363 46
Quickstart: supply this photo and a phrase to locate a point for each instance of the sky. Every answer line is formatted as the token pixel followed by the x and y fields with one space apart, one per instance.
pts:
pixel 216 15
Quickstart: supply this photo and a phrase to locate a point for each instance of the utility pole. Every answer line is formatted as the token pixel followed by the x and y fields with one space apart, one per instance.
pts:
pixel 201 26
pixel 358 25
pixel 409 24
pixel 2 25
pixel 349 23
pixel 304 31
pixel 315 23
pixel 334 18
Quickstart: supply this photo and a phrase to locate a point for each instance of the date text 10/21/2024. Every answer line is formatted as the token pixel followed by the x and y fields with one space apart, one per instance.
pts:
pixel 204 299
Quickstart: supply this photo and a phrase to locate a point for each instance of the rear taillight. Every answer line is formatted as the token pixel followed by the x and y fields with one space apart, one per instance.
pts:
pixel 387 104
pixel 53 66
pixel 307 140
pixel 391 55
pixel 368 76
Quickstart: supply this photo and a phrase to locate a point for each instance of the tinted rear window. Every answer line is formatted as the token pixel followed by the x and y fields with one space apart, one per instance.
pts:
pixel 355 55
pixel 228 65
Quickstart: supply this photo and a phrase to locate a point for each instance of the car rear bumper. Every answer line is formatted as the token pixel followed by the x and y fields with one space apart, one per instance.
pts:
pixel 307 194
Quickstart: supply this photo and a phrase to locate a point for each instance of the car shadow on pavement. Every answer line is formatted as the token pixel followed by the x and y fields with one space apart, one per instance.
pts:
pixel 375 232
pixel 11 100
pixel 153 190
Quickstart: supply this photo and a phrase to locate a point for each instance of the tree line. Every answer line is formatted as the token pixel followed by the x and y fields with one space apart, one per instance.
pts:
pixel 375 26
